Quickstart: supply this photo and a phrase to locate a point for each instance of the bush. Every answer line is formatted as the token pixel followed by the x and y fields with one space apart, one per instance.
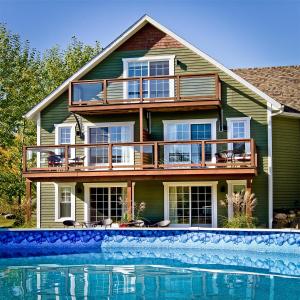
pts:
pixel 241 221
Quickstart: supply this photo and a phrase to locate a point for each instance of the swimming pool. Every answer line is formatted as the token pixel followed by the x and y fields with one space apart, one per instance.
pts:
pixel 147 264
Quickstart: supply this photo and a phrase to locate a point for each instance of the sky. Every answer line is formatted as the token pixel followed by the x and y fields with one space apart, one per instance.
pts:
pixel 237 33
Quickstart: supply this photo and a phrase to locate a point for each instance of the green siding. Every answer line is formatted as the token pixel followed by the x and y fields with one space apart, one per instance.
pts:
pixel 286 163
pixel 238 101
pixel 48 206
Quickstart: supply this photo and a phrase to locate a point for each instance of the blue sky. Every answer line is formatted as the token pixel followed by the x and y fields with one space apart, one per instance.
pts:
pixel 238 33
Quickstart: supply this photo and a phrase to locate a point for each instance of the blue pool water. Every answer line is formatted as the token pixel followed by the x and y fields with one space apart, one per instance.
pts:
pixel 139 273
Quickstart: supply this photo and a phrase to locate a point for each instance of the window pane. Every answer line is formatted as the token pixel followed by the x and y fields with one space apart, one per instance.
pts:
pixel 86 91
pixel 65 202
pixel 64 135
pixel 137 69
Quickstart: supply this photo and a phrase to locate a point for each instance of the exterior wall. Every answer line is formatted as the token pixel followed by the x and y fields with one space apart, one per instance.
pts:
pixel 286 163
pixel 237 101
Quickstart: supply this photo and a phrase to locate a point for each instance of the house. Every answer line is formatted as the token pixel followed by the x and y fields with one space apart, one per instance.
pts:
pixel 154 119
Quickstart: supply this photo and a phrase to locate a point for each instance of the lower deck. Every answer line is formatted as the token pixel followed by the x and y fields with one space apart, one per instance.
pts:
pixel 184 203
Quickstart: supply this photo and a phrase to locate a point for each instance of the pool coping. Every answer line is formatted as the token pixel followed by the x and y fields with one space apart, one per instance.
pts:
pixel 162 228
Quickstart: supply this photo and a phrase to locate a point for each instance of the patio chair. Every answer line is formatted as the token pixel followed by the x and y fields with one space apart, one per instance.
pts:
pixel 70 223
pixel 55 161
pixel 136 223
pixel 164 223
pixel 107 222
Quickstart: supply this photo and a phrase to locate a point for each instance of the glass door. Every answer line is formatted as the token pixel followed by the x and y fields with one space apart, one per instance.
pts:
pixel 187 153
pixel 121 155
pixel 107 202
pixel 190 205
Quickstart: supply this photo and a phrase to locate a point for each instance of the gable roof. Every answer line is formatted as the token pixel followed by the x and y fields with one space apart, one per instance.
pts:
pixel 120 40
pixel 281 83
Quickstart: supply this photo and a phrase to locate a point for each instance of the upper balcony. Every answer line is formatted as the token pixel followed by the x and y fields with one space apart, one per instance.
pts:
pixel 152 159
pixel 159 93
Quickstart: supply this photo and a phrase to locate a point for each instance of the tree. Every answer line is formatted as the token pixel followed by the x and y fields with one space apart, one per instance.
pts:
pixel 26 77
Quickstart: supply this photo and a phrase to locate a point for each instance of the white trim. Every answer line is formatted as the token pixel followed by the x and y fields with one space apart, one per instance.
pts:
pixel 87 187
pixel 120 40
pixel 87 126
pixel 230 184
pixel 132 200
pixel 170 58
pixel 247 130
pixel 270 166
pixel 290 115
pixel 214 198
pixel 38 162
pixel 213 123
pixel 57 187
pixel 72 138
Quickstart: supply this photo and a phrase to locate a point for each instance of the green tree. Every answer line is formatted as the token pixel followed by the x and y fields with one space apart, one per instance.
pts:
pixel 26 77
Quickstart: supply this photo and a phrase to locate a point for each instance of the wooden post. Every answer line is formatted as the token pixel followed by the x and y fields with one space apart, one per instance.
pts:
pixel 28 200
pixel 141 89
pixel 105 91
pixel 67 157
pixel 141 119
pixel 129 199
pixel 203 154
pixel 155 155
pixel 109 156
pixel 249 190
pixel 178 87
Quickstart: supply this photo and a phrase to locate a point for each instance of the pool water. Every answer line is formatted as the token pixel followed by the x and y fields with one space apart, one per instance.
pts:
pixel 152 274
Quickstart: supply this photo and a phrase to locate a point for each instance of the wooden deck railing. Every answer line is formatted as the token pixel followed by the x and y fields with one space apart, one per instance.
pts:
pixel 234 153
pixel 185 87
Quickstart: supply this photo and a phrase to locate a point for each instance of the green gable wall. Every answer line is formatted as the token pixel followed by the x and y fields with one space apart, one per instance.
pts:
pixel 286 162
pixel 237 101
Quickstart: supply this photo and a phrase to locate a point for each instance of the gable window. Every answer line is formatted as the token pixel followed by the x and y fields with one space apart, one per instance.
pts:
pixel 149 66
pixel 64 202
pixel 239 128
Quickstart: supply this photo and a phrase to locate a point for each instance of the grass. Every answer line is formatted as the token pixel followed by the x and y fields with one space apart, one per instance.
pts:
pixel 4 223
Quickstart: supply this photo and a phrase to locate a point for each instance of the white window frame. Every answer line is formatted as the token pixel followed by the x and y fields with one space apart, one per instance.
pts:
pixel 213 123
pixel 87 127
pixel 231 184
pixel 230 122
pixel 170 58
pixel 57 187
pixel 73 136
pixel 87 195
pixel 214 199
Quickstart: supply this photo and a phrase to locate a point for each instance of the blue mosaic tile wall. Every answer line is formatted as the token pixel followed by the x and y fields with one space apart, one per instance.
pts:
pixel 45 242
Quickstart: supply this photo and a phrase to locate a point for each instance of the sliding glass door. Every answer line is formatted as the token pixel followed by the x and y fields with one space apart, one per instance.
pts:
pixel 188 153
pixel 190 205
pixel 121 155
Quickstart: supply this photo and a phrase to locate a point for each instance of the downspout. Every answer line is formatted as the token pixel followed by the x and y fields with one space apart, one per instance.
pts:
pixel 270 161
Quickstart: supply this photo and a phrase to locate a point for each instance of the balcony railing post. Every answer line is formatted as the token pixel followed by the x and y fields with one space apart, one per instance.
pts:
pixel 178 87
pixel 70 93
pixel 252 147
pixel 155 155
pixel 105 91
pixel 203 153
pixel 141 89
pixel 24 158
pixel 110 156
pixel 66 157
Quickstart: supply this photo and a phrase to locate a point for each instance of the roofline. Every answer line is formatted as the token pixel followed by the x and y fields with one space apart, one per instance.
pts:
pixel 121 39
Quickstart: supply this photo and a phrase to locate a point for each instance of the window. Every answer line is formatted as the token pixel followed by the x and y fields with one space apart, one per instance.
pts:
pixel 64 202
pixel 110 133
pixel 186 130
pixel 239 128
pixel 149 66
pixel 234 186
pixel 65 135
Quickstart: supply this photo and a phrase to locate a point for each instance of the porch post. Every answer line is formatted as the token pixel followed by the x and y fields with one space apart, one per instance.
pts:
pixel 129 199
pixel 141 120
pixel 28 199
pixel 249 190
